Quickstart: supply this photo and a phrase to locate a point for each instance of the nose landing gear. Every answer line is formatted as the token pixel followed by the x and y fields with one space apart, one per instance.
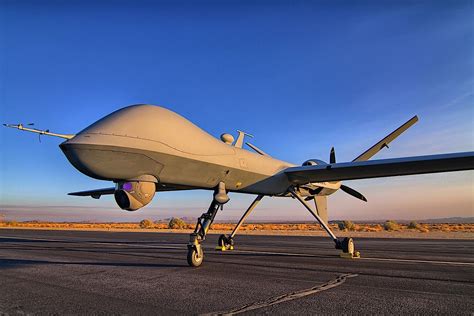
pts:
pixel 195 252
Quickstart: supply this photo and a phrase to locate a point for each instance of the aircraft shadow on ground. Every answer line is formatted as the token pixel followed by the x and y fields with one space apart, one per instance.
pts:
pixel 23 240
pixel 14 263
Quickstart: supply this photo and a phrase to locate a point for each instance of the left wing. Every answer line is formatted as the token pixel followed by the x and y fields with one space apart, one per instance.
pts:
pixel 97 193
pixel 381 168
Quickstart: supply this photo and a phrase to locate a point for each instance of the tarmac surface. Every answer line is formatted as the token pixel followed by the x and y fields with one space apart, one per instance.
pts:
pixel 71 272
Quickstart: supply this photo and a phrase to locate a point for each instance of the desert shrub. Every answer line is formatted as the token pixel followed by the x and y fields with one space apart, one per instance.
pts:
pixel 176 223
pixel 423 229
pixel 390 225
pixel 146 223
pixel 445 228
pixel 371 229
pixel 346 225
pixel 300 227
pixel 413 225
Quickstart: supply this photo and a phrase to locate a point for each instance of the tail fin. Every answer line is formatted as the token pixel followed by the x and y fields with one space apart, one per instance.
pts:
pixel 369 153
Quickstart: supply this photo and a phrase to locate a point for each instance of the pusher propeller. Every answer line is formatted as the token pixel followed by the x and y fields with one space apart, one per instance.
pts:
pixel 345 188
pixel 353 192
pixel 332 156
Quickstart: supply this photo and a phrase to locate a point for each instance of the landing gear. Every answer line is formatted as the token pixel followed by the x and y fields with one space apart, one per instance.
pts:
pixel 195 252
pixel 195 256
pixel 348 248
pixel 227 242
pixel 346 244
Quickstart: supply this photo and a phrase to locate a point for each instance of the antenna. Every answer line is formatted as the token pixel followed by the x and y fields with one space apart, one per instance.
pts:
pixel 38 131
pixel 240 140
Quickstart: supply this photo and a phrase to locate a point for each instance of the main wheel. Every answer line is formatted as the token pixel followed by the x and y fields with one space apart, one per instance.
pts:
pixel 195 256
pixel 348 245
pixel 225 242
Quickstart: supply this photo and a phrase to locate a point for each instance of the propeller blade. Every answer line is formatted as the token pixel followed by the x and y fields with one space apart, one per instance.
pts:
pixel 353 192
pixel 332 156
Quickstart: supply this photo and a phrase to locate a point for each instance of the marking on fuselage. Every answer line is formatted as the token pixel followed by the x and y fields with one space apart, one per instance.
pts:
pixel 243 163
pixel 288 297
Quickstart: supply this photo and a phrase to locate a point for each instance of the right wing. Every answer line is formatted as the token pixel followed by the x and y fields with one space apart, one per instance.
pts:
pixel 381 168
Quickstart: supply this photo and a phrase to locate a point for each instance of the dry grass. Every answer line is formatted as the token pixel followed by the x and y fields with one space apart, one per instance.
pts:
pixel 424 228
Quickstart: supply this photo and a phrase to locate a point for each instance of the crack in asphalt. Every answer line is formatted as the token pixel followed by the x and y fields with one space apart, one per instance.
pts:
pixel 287 297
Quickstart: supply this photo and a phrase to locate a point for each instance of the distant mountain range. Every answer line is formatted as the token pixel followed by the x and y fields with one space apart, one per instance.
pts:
pixel 445 220
pixel 14 215
pixel 453 220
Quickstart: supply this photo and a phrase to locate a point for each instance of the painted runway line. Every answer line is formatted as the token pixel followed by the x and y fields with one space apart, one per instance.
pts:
pixel 456 263
pixel 290 254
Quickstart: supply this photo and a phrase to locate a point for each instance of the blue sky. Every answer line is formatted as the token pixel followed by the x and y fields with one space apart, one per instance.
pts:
pixel 301 76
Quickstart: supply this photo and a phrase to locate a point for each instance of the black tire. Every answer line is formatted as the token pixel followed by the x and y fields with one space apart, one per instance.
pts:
pixel 348 245
pixel 221 241
pixel 225 241
pixel 195 257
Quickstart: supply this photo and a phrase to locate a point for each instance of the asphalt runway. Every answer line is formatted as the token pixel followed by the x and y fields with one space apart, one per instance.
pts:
pixel 71 272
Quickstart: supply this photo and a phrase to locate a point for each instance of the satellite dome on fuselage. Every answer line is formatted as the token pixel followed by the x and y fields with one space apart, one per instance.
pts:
pixel 158 124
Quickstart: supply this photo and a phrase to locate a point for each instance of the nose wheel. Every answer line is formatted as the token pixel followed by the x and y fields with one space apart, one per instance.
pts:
pixel 195 255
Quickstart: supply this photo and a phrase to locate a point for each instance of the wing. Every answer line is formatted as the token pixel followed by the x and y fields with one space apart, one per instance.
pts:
pixel 381 168
pixel 385 141
pixel 96 194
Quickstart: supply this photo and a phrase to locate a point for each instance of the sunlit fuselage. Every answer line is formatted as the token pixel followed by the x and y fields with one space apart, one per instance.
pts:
pixel 150 141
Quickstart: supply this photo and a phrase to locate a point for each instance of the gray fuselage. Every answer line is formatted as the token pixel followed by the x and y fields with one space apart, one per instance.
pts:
pixel 146 141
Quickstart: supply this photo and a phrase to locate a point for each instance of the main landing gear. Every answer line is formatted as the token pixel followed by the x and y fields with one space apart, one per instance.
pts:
pixel 346 244
pixel 227 242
